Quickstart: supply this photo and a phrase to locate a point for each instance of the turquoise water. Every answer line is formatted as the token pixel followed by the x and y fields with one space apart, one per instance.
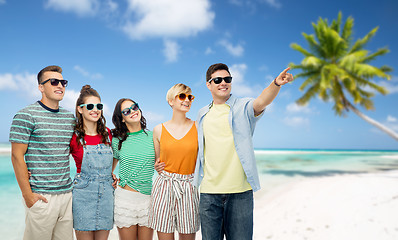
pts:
pixel 274 166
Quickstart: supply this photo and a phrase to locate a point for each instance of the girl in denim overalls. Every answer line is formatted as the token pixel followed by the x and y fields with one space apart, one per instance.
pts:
pixel 92 204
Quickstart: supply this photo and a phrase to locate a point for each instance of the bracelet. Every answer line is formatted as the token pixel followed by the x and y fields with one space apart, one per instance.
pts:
pixel 276 83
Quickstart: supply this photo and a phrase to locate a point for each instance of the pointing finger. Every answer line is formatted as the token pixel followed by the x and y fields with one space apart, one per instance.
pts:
pixel 284 71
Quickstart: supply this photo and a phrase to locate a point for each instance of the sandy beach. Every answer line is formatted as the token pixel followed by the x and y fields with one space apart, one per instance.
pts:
pixel 357 206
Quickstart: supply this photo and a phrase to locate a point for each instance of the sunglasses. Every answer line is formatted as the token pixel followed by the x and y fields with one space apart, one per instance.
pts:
pixel 183 96
pixel 55 82
pixel 90 106
pixel 218 80
pixel 133 107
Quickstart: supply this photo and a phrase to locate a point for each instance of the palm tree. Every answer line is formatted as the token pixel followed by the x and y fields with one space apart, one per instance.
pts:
pixel 336 70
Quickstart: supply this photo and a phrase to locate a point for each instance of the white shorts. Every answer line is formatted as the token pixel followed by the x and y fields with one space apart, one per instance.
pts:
pixel 131 208
pixel 174 204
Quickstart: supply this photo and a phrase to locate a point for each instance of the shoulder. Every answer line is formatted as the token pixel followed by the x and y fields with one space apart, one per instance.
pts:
pixel 66 112
pixel 157 130
pixel 204 110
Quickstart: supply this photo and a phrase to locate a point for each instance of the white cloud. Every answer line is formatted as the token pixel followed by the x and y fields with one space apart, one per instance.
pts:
pixel 168 18
pixel 112 6
pixel 80 7
pixel 153 117
pixel 391 119
pixel 296 121
pixel 208 51
pixel 391 86
pixel 252 3
pixel 171 50
pixel 2 2
pixel 295 108
pixel 239 85
pixel 274 3
pixel 25 85
pixel 236 50
pixel 87 74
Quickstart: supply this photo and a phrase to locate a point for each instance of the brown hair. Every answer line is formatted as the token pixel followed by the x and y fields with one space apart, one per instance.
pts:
pixel 214 68
pixel 120 131
pixel 52 68
pixel 87 91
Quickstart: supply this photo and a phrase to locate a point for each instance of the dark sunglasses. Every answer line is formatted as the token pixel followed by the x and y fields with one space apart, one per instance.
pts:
pixel 133 107
pixel 55 82
pixel 183 96
pixel 218 80
pixel 90 106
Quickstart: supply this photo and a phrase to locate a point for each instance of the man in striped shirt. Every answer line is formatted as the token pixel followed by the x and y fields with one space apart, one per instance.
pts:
pixel 40 135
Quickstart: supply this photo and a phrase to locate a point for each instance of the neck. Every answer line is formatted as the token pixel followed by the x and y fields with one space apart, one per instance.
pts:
pixel 178 117
pixel 134 127
pixel 90 128
pixel 220 100
pixel 50 103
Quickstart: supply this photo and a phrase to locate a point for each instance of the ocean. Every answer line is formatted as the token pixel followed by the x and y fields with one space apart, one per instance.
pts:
pixel 275 166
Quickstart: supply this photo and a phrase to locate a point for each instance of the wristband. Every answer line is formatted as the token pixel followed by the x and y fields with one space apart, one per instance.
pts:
pixel 276 83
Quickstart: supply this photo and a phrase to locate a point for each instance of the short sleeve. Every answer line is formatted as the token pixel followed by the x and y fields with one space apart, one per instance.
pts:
pixel 22 127
pixel 115 144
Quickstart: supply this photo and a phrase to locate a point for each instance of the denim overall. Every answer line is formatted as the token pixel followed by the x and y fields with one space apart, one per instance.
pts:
pixel 92 203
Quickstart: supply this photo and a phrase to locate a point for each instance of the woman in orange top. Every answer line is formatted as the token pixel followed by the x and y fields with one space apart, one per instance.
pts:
pixel 175 200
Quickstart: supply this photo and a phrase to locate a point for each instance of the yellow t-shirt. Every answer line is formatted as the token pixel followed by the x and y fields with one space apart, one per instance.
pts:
pixel 223 171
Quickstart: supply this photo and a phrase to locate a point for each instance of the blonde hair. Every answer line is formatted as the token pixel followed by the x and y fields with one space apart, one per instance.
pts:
pixel 177 89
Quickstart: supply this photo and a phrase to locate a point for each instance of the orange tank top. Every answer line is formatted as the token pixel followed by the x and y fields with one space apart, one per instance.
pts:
pixel 179 155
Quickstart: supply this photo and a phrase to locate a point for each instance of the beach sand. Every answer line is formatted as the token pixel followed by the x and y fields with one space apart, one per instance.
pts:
pixel 356 206
pixel 343 207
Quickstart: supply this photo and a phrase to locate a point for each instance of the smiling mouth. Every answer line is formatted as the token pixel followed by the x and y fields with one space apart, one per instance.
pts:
pixel 134 115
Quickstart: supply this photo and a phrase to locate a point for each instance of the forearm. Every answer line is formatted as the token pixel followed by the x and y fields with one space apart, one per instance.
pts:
pixel 21 174
pixel 266 97
pixel 115 161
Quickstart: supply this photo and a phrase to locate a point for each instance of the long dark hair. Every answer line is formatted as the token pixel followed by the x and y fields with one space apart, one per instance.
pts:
pixel 120 131
pixel 85 92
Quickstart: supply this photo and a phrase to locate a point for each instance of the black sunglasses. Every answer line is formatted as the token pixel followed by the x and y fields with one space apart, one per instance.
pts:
pixel 218 80
pixel 55 82
pixel 183 96
pixel 90 106
pixel 127 111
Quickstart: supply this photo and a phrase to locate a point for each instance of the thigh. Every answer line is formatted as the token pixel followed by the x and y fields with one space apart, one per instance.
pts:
pixel 129 233
pixel 63 229
pixel 145 233
pixel 187 211
pixel 101 234
pixel 211 209
pixel 39 219
pixel 161 209
pixel 238 218
pixel 84 235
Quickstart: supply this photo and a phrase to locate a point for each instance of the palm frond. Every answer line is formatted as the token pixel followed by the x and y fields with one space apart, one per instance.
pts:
pixel 360 43
pixel 299 48
pixel 308 95
pixel 347 30
pixel 379 52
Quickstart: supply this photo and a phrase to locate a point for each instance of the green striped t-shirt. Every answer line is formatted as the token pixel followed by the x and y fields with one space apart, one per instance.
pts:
pixel 47 133
pixel 136 161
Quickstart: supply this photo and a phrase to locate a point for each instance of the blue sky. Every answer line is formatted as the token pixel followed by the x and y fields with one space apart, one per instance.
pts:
pixel 139 49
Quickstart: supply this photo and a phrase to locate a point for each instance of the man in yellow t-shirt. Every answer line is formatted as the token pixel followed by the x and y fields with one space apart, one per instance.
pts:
pixel 226 168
